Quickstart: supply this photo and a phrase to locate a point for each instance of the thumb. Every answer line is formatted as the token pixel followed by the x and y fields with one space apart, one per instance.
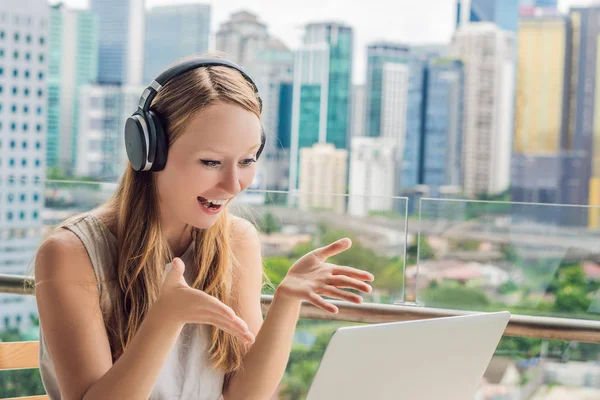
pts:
pixel 174 271
pixel 334 248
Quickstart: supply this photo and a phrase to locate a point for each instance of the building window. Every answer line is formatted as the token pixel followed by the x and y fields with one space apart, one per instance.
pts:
pixel 38 127
pixel 35 215
pixel 9 216
pixel 27 74
pixel 26 91
pixel 24 162
pixel 42 40
pixel 15 91
pixel 11 162
pixel 36 197
pixel 28 38
pixel 41 58
pixel 1 71
pixel 17 36
pixel 11 197
pixel 25 128
pixel 14 108
pixel 26 109
pixel 12 144
pixel 16 55
pixel 24 144
pixel 39 111
pixel 38 145
pixel 37 162
pixel 40 76
pixel 40 92
pixel 28 56
pixel 13 127
pixel 1 34
pixel 15 72
pixel 22 197
pixel 22 215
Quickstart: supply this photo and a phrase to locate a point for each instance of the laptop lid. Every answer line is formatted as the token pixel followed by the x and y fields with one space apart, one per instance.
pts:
pixel 442 358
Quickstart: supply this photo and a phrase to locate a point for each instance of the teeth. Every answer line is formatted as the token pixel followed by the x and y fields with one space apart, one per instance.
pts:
pixel 218 202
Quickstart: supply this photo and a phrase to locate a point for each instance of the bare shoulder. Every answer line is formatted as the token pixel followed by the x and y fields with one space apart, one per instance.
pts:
pixel 243 231
pixel 62 256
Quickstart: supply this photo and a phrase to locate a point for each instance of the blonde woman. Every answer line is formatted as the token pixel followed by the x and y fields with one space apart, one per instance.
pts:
pixel 156 294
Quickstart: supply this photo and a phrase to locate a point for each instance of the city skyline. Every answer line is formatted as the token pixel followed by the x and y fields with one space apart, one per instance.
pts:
pixel 423 22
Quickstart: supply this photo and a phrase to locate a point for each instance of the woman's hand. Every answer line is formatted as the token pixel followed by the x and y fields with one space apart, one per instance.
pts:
pixel 312 277
pixel 182 304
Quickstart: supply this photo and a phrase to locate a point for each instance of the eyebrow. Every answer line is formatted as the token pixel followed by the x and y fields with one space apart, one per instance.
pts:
pixel 256 146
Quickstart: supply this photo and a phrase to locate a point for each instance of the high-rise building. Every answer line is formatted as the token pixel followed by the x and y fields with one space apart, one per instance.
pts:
pixel 443 123
pixel 380 56
pixel 23 100
pixel 580 183
pixel 174 32
pixel 100 148
pixel 503 13
pixel 246 40
pixel 372 175
pixel 541 112
pixel 488 54
pixel 322 85
pixel 358 111
pixel 323 170
pixel 73 62
pixel 120 41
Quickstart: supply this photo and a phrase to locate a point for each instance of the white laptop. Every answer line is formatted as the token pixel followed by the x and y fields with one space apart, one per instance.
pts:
pixel 434 359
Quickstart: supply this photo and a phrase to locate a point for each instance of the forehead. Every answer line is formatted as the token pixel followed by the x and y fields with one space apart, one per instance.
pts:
pixel 220 125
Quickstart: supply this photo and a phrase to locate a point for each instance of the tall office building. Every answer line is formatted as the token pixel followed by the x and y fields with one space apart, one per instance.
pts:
pixel 442 140
pixel 174 32
pixel 322 85
pixel 372 175
pixel 100 148
pixel 246 40
pixel 503 13
pixel 23 101
pixel 380 56
pixel 73 62
pixel 323 170
pixel 120 41
pixel 488 54
pixel 357 111
pixel 580 183
pixel 541 112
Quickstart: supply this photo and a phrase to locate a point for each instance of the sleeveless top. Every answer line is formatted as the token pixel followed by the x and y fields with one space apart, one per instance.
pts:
pixel 186 374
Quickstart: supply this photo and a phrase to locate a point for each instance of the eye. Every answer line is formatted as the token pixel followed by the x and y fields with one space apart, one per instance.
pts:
pixel 247 162
pixel 210 163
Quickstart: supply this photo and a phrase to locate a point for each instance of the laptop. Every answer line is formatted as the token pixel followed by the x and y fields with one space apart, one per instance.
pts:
pixel 441 358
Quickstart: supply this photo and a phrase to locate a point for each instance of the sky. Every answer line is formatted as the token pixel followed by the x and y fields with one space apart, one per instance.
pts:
pixel 408 21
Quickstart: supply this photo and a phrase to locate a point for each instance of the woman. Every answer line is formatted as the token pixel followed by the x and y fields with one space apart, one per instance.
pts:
pixel 119 320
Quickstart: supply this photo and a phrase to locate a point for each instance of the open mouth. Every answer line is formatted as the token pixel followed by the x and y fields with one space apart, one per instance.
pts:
pixel 211 205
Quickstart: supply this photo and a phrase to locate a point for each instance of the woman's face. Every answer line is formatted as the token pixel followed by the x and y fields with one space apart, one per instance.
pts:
pixel 212 161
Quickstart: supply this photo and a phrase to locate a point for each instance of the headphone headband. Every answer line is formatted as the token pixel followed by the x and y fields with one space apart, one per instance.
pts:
pixel 185 66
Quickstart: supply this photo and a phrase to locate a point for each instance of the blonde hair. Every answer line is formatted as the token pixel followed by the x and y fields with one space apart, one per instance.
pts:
pixel 144 252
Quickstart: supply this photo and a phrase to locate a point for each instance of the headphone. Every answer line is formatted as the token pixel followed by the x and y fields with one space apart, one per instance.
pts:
pixel 145 139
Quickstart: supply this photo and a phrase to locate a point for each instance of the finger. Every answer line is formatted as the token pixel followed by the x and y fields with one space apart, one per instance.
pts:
pixel 236 327
pixel 333 249
pixel 215 305
pixel 321 303
pixel 352 272
pixel 342 281
pixel 332 291
pixel 178 265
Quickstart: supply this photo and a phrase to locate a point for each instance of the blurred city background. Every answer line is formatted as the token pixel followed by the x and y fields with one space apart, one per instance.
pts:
pixel 456 141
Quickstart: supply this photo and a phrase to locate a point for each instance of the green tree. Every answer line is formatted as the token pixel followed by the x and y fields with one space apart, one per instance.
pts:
pixel 455 297
pixel 269 224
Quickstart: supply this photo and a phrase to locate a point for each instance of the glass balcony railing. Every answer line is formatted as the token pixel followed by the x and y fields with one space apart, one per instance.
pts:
pixel 448 258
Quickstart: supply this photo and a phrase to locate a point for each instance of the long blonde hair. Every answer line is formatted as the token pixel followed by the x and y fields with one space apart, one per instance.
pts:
pixel 144 252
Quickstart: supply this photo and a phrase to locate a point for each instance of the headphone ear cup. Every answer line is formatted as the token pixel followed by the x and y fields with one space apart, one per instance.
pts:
pixel 136 141
pixel 160 141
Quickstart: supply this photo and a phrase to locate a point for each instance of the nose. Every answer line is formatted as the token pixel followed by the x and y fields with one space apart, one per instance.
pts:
pixel 230 181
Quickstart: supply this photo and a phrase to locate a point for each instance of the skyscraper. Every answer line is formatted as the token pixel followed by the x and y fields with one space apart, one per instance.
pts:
pixel 246 41
pixel 73 62
pixel 382 55
pixel 443 123
pixel 358 111
pixel 541 112
pixel 322 84
pixel 174 32
pixel 23 101
pixel 120 40
pixel 488 54
pixel 581 173
pixel 503 13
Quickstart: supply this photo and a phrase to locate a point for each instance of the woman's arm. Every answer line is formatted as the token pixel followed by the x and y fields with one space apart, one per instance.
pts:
pixel 264 363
